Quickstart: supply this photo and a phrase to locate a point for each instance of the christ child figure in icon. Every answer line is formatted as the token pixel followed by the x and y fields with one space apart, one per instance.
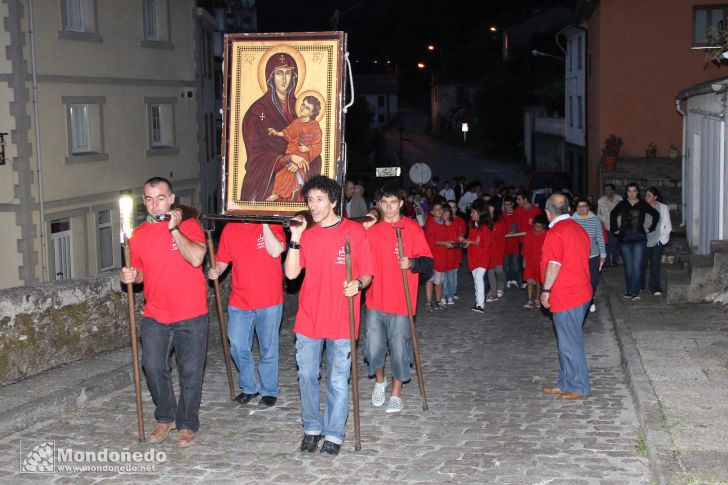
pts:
pixel 304 136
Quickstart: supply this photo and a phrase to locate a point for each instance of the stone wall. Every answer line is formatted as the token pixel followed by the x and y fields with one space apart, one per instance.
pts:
pixel 52 324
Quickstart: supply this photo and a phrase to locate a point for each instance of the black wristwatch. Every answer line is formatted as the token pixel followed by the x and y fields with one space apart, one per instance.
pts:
pixel 544 290
pixel 360 285
pixel 294 245
pixel 173 228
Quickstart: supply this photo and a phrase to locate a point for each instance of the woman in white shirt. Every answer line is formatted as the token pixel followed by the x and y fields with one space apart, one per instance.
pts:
pixel 656 241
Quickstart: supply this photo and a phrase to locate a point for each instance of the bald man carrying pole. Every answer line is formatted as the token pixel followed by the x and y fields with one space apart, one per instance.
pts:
pixel 567 293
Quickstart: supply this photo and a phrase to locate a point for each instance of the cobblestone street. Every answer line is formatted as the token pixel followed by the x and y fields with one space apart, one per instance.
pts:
pixel 488 420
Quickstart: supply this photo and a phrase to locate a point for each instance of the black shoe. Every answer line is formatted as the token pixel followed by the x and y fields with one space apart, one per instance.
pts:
pixel 244 398
pixel 310 442
pixel 635 297
pixel 267 401
pixel 628 295
pixel 330 448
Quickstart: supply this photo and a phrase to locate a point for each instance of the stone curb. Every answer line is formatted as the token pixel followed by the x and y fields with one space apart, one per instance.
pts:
pixel 89 384
pixel 659 444
pixel 66 399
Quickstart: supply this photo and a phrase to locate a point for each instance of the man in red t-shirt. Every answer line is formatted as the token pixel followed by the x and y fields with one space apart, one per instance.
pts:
pixel 323 311
pixel 387 317
pixel 567 292
pixel 256 303
pixel 167 258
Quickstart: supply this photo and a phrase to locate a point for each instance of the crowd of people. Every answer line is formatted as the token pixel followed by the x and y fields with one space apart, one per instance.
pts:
pixel 421 236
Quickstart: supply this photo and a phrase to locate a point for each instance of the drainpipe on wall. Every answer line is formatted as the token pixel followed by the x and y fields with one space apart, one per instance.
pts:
pixel 721 170
pixel 684 150
pixel 38 158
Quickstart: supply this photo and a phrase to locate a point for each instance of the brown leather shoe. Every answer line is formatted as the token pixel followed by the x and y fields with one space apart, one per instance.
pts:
pixel 160 432
pixel 573 396
pixel 552 390
pixel 185 438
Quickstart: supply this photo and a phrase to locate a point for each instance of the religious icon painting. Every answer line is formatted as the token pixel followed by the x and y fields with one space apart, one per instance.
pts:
pixel 283 118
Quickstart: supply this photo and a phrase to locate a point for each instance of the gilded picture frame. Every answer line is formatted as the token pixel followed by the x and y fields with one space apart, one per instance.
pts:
pixel 282 119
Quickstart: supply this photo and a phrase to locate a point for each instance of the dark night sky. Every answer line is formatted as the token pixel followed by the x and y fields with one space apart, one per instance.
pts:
pixel 399 30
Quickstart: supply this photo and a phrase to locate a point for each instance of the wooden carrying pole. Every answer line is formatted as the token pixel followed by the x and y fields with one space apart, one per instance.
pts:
pixel 352 338
pixel 134 346
pixel 221 318
pixel 416 348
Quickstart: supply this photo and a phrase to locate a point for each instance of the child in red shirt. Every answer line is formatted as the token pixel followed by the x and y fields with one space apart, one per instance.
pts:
pixel 452 258
pixel 532 244
pixel 437 239
pixel 478 244
pixel 496 256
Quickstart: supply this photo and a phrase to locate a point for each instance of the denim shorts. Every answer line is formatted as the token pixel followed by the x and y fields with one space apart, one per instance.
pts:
pixel 389 332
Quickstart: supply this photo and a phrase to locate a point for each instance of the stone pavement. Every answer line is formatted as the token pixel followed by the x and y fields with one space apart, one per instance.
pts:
pixel 677 364
pixel 488 421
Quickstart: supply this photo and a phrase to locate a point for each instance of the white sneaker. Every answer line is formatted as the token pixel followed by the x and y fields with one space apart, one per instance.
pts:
pixel 524 286
pixel 450 301
pixel 443 302
pixel 455 297
pixel 592 308
pixel 378 397
pixel 657 293
pixel 395 405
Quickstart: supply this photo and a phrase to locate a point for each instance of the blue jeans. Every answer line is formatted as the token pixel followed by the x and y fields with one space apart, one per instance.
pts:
pixel 594 274
pixel 632 254
pixel 653 256
pixel 574 374
pixel 266 323
pixel 389 331
pixel 612 246
pixel 450 286
pixel 338 366
pixel 513 267
pixel 188 339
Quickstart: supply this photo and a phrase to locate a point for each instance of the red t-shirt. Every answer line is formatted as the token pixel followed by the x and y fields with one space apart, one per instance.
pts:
pixel 478 252
pixel 532 244
pixel 434 232
pixel 524 218
pixel 454 255
pixel 568 243
pixel 323 310
pixel 257 277
pixel 386 293
pixel 511 226
pixel 496 251
pixel 174 290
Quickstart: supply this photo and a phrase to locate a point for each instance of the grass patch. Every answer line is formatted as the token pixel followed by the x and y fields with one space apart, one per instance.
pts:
pixel 641 445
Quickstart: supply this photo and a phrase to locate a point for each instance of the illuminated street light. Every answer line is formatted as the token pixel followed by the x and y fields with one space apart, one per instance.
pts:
pixel 430 47
pixel 465 132
pixel 421 65
pixel 493 28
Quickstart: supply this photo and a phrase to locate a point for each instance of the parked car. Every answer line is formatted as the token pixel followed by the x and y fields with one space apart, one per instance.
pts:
pixel 542 184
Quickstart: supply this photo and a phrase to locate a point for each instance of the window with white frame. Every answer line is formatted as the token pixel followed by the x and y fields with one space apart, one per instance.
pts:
pixel 705 19
pixel 156 23
pixel 161 131
pixel 85 128
pixel 105 240
pixel 78 19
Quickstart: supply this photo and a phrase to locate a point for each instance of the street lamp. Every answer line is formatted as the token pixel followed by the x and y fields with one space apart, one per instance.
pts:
pixel 465 132
pixel 538 53
pixel 421 65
